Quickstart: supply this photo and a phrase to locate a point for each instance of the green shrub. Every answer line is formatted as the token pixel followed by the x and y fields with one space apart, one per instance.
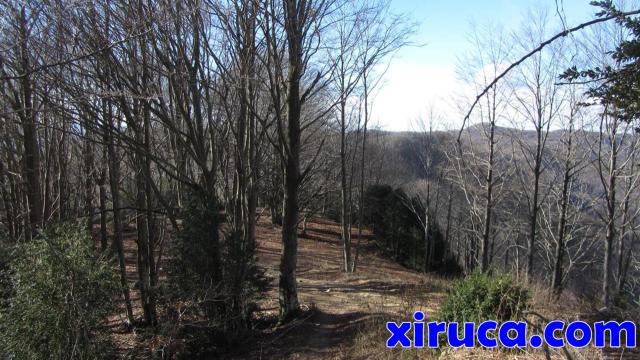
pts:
pixel 397 222
pixel 480 297
pixel 195 262
pixel 59 297
pixel 6 253
pixel 212 280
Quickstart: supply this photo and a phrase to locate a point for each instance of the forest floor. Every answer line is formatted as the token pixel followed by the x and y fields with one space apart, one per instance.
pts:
pixel 344 314
pixel 340 308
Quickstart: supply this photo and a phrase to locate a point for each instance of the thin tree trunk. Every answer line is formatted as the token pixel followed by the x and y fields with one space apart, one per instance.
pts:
pixel 62 180
pixel 611 230
pixel 427 230
pixel 344 218
pixel 448 228
pixel 484 249
pixel 556 282
pixel 29 132
pixel 623 231
pixel 114 180
pixel 362 171
pixel 252 191
pixel 432 246
pixel 89 183
pixel 627 260
pixel 104 242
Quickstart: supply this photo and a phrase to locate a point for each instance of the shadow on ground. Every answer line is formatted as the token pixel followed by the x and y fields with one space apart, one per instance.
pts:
pixel 315 334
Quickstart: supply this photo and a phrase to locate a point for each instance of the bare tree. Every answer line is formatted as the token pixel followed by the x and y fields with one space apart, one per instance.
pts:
pixel 24 23
pixel 475 171
pixel 538 102
pixel 571 168
pixel 292 30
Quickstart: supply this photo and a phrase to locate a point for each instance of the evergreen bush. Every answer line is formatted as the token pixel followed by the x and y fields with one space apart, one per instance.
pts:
pixel 480 297
pixel 213 280
pixel 58 296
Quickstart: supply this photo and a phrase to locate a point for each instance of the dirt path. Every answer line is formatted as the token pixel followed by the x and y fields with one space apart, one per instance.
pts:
pixel 341 307
pixel 125 340
pixel 344 313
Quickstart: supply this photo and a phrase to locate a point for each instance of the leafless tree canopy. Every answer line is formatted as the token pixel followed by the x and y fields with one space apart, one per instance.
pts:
pixel 118 114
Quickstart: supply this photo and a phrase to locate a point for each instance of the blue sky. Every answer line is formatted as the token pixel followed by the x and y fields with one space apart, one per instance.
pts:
pixel 424 77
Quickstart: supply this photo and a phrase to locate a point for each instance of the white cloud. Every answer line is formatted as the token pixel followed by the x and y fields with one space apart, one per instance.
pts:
pixel 410 89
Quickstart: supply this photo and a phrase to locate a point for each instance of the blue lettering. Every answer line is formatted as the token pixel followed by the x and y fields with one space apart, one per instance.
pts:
pixel 436 329
pixel 468 338
pixel 615 330
pixel 549 334
pixel 520 340
pixel 398 334
pixel 483 334
pixel 418 330
pixel 584 328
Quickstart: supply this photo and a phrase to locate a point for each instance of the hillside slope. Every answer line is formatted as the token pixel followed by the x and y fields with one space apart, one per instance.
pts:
pixel 345 314
pixel 340 308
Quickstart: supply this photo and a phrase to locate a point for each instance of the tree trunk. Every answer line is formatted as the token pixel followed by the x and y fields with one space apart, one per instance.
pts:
pixel 114 181
pixel 556 282
pixel 611 230
pixel 427 231
pixel 344 218
pixel 622 271
pixel 432 243
pixel 537 172
pixel 288 294
pixel 288 291
pixel 484 248
pixel 88 185
pixel 362 171
pixel 447 232
pixel 29 132
pixel 104 240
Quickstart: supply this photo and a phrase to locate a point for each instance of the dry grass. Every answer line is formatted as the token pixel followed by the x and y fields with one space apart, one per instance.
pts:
pixel 344 305
pixel 370 340
pixel 371 337
pixel 346 313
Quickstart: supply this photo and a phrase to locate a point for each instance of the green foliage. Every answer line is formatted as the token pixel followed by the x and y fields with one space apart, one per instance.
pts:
pixel 59 295
pixel 212 279
pixel 244 282
pixel 6 253
pixel 396 226
pixel 616 87
pixel 480 297
pixel 194 267
pixel 396 220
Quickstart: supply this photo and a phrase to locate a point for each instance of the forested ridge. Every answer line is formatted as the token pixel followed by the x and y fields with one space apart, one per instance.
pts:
pixel 206 179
